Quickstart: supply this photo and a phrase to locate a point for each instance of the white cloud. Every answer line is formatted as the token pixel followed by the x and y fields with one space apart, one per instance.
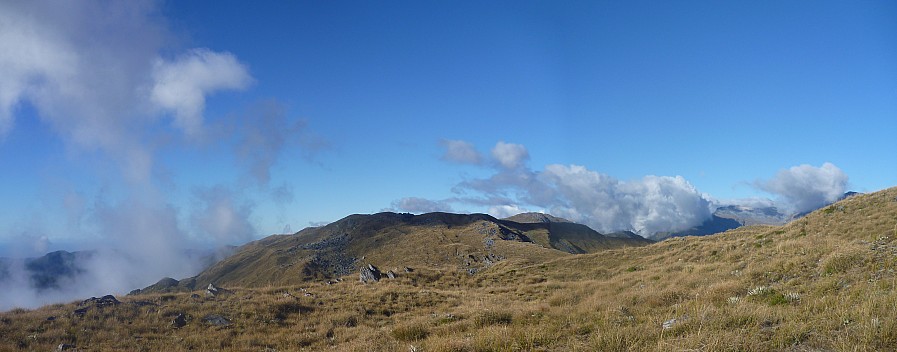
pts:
pixel 510 155
pixel 646 206
pixel 652 204
pixel 806 187
pixel 30 53
pixel 505 210
pixel 92 71
pixel 420 205
pixel 181 85
pixel 461 152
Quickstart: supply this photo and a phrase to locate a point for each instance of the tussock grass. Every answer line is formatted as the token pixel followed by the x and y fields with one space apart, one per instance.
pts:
pixel 824 282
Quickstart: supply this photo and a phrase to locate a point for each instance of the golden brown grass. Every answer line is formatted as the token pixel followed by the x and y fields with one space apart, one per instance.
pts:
pixel 825 282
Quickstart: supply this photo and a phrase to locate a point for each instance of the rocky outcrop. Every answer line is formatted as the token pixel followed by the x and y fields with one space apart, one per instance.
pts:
pixel 215 291
pixel 93 302
pixel 217 320
pixel 105 301
pixel 369 274
pixel 179 321
pixel 65 347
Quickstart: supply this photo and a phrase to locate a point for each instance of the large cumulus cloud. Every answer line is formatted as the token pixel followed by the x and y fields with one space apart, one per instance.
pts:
pixel 805 187
pixel 646 206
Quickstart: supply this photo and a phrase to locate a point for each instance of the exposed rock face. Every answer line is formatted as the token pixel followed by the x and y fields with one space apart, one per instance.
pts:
pixel 105 301
pixel 65 347
pixel 214 291
pixel 179 321
pixel 369 274
pixel 390 274
pixel 80 312
pixel 217 320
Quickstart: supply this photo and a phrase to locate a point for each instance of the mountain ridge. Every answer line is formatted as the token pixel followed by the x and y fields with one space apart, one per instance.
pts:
pixel 474 242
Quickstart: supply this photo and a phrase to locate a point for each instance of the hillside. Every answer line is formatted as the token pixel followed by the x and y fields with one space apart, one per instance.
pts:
pixel 530 218
pixel 824 282
pixel 459 242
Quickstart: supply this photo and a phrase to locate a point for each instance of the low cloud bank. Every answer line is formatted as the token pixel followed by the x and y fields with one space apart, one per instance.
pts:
pixel 644 206
pixel 136 243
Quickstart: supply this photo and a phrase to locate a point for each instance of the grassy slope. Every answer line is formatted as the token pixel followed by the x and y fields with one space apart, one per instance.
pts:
pixel 436 240
pixel 824 282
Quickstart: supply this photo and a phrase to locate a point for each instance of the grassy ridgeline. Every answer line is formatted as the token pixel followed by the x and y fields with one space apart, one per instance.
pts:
pixel 824 282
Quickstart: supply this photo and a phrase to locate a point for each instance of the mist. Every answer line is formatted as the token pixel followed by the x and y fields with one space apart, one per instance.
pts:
pixel 113 83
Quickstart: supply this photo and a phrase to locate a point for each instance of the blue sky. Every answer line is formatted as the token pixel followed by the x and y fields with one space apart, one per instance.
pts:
pixel 233 120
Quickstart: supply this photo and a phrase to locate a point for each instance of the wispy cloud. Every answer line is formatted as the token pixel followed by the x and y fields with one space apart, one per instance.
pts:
pixel 110 80
pixel 181 85
pixel 420 205
pixel 510 155
pixel 94 72
pixel 265 134
pixel 221 216
pixel 461 152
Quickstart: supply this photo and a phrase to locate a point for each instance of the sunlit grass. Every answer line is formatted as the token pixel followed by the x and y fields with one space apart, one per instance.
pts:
pixel 825 282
